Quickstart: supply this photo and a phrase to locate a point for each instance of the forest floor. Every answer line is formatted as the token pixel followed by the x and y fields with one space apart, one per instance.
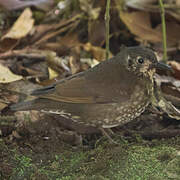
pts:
pixel 37 152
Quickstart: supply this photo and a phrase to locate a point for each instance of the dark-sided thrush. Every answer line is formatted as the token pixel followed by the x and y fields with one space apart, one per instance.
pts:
pixel 110 94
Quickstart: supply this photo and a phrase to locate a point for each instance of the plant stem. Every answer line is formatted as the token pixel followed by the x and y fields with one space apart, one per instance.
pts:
pixel 163 30
pixel 107 19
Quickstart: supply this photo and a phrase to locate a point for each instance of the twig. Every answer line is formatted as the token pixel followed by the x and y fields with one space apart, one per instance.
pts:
pixel 107 18
pixel 163 30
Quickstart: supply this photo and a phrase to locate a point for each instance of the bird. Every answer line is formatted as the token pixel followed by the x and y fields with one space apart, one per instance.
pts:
pixel 112 93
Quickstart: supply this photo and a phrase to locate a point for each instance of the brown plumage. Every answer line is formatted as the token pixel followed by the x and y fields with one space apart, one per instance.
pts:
pixel 112 93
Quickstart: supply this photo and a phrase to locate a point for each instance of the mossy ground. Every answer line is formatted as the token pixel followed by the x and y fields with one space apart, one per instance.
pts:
pixel 135 160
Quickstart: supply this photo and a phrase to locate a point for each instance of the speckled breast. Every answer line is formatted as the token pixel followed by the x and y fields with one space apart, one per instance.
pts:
pixel 110 114
pixel 129 110
pixel 120 113
pixel 107 115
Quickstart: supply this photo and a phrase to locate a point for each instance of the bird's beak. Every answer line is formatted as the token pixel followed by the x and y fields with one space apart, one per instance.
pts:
pixel 162 66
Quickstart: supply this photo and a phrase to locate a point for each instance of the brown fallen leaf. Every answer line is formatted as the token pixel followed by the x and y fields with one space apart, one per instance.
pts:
pixel 171 7
pixel 97 38
pixel 44 32
pixel 176 67
pixel 20 29
pixel 139 24
pixel 61 47
pixel 74 65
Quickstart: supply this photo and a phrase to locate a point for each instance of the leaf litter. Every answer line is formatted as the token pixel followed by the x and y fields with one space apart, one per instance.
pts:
pixel 72 40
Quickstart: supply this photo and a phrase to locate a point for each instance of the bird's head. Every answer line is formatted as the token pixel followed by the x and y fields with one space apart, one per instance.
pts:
pixel 142 61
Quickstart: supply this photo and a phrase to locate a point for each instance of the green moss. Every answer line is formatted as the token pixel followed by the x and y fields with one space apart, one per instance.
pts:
pixel 128 161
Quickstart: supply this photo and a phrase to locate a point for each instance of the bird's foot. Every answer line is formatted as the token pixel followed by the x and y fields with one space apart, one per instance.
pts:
pixel 106 133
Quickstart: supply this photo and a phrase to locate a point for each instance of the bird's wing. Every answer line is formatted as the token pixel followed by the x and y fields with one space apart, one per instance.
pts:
pixel 79 89
pixel 72 90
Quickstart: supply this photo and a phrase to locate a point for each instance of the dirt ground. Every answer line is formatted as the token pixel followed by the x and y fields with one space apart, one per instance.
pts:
pixel 43 150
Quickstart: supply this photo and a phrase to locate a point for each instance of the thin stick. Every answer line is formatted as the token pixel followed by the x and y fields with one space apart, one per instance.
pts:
pixel 163 30
pixel 107 19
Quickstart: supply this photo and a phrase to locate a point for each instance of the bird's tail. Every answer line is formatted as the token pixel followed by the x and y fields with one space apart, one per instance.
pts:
pixel 36 104
pixel 24 106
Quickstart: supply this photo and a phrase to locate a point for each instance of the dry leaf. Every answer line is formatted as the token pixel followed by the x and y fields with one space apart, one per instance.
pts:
pixel 52 73
pixel 176 67
pixel 91 62
pixel 96 37
pixel 178 2
pixel 97 52
pixel 20 29
pixel 6 76
pixel 22 26
pixel 171 7
pixel 172 29
pixel 2 105
pixel 44 32
pixel 140 25
pixel 74 65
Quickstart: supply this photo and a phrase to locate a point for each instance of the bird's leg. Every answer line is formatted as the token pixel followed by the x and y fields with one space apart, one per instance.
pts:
pixel 105 133
pixel 110 131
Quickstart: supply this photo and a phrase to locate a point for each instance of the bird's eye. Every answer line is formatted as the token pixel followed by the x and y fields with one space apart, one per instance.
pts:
pixel 140 60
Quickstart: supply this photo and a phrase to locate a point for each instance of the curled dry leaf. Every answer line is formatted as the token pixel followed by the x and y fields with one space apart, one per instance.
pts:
pixel 139 24
pixel 20 29
pixel 176 67
pixel 6 76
